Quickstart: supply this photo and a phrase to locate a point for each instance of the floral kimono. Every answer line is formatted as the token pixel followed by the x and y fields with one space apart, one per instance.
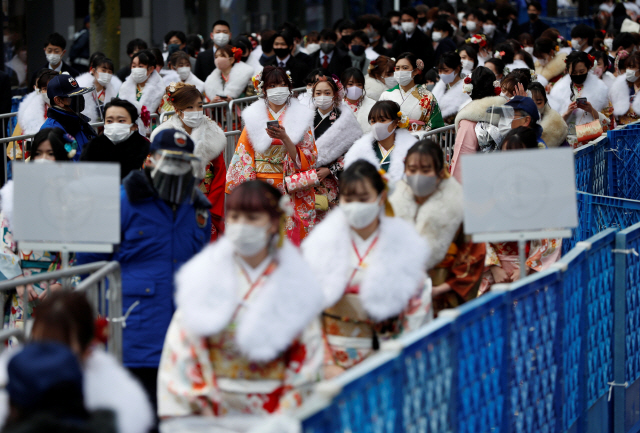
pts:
pixel 375 289
pixel 540 255
pixel 243 340
pixel 622 95
pixel 257 156
pixel 418 104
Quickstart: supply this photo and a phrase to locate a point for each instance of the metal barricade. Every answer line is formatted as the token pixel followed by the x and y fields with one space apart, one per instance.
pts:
pixel 236 106
pixel 445 137
pixel 232 141
pixel 215 111
pixel 7 123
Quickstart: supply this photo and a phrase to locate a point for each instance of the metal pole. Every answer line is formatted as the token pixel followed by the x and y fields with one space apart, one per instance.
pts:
pixel 521 250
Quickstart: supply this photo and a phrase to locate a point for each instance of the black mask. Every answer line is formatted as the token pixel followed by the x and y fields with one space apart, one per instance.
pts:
pixel 282 53
pixel 77 104
pixel 347 39
pixel 422 21
pixel 357 50
pixel 579 78
pixel 533 17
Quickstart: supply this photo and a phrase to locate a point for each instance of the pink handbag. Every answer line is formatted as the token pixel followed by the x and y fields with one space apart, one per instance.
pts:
pixel 301 181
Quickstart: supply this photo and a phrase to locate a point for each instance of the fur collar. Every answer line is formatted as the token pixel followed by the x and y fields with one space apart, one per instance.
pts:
pixel 517 64
pixel 337 140
pixel 111 91
pixel 374 88
pixel 554 128
pixel 195 81
pixel 207 294
pixel 437 220
pixel 152 92
pixel 138 188
pixel 636 105
pixel 363 114
pixel 169 76
pixel 475 111
pixel 554 68
pixel 450 101
pixel 239 78
pixel 397 264
pixel 6 202
pixel 296 119
pixel 108 385
pixel 31 113
pixel 619 96
pixel 209 139
pixel 594 90
pixel 363 149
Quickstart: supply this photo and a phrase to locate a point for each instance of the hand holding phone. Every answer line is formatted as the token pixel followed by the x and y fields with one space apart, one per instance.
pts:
pixel 581 101
pixel 273 124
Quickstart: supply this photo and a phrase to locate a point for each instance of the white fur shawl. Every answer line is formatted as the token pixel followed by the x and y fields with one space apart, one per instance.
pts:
pixel 636 105
pixel 208 138
pixel 111 91
pixel 450 101
pixel 437 220
pixel 31 113
pixel 108 385
pixel 476 111
pixel 195 81
pixel 608 78
pixel 554 128
pixel 296 119
pixel 374 88
pixel 552 69
pixel 363 149
pixel 619 96
pixel 363 114
pixel 594 90
pixel 152 92
pixel 397 270
pixel 6 202
pixel 207 294
pixel 337 140
pixel 517 64
pixel 239 79
pixel 169 76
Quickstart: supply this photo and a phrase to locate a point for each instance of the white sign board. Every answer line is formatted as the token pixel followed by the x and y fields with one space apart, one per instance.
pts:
pixel 519 190
pixel 66 203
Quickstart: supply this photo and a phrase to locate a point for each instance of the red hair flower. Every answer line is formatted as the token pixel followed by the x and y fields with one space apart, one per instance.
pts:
pixel 101 330
pixel 467 80
pixel 237 53
pixel 497 91
pixel 145 116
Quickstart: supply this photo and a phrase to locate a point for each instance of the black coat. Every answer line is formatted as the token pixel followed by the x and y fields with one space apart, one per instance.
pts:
pixel 205 64
pixel 514 32
pixel 298 69
pixel 304 57
pixel 65 68
pixel 5 95
pixel 419 44
pixel 123 73
pixel 130 154
pixel 339 61
pixel 446 45
pixel 535 28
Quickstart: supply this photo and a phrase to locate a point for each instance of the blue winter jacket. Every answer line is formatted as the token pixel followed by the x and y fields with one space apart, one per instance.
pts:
pixel 77 127
pixel 155 241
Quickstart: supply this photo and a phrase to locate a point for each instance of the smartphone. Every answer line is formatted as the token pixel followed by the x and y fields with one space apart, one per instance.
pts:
pixel 273 124
pixel 581 101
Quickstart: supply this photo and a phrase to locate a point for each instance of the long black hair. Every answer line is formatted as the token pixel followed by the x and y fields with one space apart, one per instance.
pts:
pixel 361 171
pixel 413 60
pixel 56 137
pixel 482 80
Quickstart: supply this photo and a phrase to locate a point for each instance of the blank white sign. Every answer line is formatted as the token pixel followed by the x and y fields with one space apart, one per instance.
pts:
pixel 67 202
pixel 519 190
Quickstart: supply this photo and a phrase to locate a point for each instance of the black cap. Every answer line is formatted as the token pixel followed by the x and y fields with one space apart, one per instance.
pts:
pixel 65 86
pixel 172 140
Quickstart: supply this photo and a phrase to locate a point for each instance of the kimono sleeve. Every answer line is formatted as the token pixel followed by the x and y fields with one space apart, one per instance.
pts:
pixel 420 310
pixel 242 165
pixel 543 253
pixel 185 377
pixel 9 259
pixel 307 152
pixel 491 257
pixel 466 142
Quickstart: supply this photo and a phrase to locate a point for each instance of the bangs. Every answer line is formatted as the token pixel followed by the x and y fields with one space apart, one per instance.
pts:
pixel 353 186
pixel 255 196
pixel 384 110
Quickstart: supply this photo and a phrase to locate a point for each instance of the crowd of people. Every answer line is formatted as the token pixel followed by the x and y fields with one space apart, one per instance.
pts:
pixel 337 224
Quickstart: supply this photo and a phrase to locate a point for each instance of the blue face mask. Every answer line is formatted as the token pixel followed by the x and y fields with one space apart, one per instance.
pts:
pixel 172 48
pixel 357 50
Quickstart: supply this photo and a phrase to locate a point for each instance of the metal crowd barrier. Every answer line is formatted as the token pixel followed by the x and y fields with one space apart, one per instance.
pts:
pixel 104 285
pixel 446 138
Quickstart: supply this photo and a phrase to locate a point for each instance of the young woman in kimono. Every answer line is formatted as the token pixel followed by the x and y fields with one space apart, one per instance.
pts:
pixel 230 78
pixel 107 85
pixel 356 97
pixel 502 261
pixel 48 145
pixel 550 62
pixel 336 129
pixel 374 277
pixel 624 91
pixel 554 128
pixel 144 86
pixel 431 200
pixel 387 144
pixel 411 94
pixel 210 142
pixel 380 77
pixel 245 338
pixel 284 155
pixel 448 91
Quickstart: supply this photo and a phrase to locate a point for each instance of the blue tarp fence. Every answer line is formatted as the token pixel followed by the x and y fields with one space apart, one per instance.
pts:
pixel 558 351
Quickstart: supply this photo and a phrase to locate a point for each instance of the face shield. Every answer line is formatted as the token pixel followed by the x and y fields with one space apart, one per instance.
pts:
pixel 77 99
pixel 174 175
pixel 496 124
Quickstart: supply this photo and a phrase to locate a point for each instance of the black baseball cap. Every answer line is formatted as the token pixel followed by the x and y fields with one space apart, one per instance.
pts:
pixel 65 86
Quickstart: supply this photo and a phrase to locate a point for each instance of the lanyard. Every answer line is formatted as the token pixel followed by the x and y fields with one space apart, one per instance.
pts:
pixel 361 259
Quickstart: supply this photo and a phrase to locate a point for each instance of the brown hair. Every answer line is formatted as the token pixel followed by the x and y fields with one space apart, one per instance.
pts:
pixel 633 61
pixel 231 52
pixel 177 56
pixel 183 95
pixel 255 196
pixel 380 67
pixel 332 84
pixel 44 76
pixel 272 74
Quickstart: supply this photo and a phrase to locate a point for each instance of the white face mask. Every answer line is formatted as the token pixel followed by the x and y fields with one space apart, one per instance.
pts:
pixel 104 78
pixel 467 65
pixel 360 215
pixel 380 131
pixel 312 48
pixel 398 27
pixel 221 39
pixel 354 93
pixel 504 126
pixel 422 185
pixel 471 26
pixel 575 44
pixel 390 82
pixel 436 36
pixel 139 75
pixel 323 102
pixel 193 119
pixel 53 59
pixel 278 95
pixel 248 240
pixel 117 132
pixel 403 77
pixel 42 161
pixel 631 75
pixel 608 42
pixel 408 27
pixel 448 78
pixel 460 16
pixel 184 72
pixel 44 96
pixel 529 50
pixel 488 29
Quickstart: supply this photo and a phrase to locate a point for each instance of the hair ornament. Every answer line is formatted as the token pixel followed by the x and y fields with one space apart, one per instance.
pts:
pixel 257 83
pixel 477 40
pixel 496 88
pixel 71 145
pixel 420 64
pixel 499 55
pixel 237 53
pixel 467 87
pixel 404 120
